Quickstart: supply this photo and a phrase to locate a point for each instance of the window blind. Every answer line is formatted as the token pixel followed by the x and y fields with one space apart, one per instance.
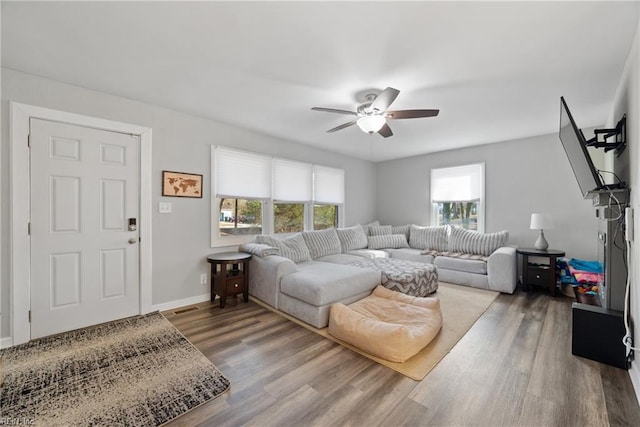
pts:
pixel 292 181
pixel 328 185
pixel 242 174
pixel 457 184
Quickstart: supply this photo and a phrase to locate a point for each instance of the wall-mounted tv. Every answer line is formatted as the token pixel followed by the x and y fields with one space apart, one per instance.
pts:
pixel 575 145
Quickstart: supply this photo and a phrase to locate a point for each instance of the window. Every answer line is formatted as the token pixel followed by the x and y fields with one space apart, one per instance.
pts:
pixel 288 217
pixel 240 217
pixel 457 195
pixel 257 194
pixel 325 216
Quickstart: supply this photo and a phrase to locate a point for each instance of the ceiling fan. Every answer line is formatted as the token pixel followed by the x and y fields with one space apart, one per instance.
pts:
pixel 373 114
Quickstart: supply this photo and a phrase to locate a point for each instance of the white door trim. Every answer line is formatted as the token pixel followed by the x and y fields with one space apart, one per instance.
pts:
pixel 19 270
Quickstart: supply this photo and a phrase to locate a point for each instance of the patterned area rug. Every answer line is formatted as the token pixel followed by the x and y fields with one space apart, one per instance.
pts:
pixel 138 371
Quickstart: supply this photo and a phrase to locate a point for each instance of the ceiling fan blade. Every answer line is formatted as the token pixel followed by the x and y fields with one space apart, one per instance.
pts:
pixel 385 131
pixel 342 126
pixel 382 101
pixel 411 114
pixel 334 110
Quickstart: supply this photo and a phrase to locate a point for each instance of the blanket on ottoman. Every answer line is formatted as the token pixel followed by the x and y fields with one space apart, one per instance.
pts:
pixel 387 324
pixel 411 278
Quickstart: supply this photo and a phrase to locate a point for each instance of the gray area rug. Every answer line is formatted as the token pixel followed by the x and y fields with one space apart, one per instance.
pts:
pixel 138 371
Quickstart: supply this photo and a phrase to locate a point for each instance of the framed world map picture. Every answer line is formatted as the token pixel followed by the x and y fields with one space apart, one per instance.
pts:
pixel 180 184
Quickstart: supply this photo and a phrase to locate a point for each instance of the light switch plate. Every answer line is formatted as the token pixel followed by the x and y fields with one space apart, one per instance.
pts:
pixel 165 207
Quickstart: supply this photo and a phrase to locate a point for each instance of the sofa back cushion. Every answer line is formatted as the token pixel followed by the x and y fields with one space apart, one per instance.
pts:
pixel 292 247
pixel 379 230
pixel 401 229
pixel 365 227
pixel 472 242
pixel 352 238
pixel 428 237
pixel 389 241
pixel 322 242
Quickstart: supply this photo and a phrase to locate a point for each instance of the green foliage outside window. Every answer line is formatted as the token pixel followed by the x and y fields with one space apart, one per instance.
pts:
pixel 288 217
pixel 325 216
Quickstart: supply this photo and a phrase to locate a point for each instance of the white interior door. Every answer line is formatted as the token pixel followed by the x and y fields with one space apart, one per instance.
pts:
pixel 84 258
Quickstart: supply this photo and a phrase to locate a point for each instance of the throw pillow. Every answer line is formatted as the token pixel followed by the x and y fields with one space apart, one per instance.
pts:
pixel 379 230
pixel 365 227
pixel 390 241
pixel 428 237
pixel 352 238
pixel 292 247
pixel 259 249
pixel 322 243
pixel 401 229
pixel 472 242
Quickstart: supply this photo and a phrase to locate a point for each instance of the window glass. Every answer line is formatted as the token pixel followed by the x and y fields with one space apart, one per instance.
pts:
pixel 288 217
pixel 325 216
pixel 240 217
pixel 461 214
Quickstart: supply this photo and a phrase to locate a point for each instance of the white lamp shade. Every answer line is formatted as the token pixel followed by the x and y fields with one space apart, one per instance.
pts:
pixel 541 221
pixel 370 124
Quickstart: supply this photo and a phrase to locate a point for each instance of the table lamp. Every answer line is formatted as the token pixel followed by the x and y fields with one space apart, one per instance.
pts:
pixel 540 222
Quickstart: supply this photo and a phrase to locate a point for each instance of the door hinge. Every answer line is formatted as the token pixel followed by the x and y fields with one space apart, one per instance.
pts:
pixel 29 229
pixel 29 316
pixel 29 140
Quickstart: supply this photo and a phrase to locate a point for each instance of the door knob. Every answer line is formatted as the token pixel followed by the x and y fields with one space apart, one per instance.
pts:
pixel 133 240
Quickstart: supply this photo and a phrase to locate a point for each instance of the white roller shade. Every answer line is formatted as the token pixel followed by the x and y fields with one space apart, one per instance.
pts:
pixel 241 174
pixel 457 184
pixel 292 181
pixel 328 185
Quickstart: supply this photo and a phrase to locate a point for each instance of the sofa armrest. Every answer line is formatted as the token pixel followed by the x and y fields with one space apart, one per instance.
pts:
pixel 502 270
pixel 265 274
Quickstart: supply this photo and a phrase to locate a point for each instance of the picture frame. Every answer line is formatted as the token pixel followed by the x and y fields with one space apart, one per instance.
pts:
pixel 181 184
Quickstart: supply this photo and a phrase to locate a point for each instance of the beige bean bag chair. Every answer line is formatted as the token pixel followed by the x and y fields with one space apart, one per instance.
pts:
pixel 387 324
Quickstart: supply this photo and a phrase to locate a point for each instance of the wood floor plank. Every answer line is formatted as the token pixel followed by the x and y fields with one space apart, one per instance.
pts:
pixel 513 368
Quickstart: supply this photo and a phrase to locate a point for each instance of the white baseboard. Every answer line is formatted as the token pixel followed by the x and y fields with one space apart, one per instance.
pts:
pixel 6 342
pixel 180 303
pixel 635 379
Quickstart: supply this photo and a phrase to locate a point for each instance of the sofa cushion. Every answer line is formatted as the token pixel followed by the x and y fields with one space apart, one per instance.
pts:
pixel 370 253
pixel 461 264
pixel 428 237
pixel 339 258
pixel 365 227
pixel 292 247
pixel 393 241
pixel 322 242
pixel 401 229
pixel 321 283
pixel 352 238
pixel 472 242
pixel 379 230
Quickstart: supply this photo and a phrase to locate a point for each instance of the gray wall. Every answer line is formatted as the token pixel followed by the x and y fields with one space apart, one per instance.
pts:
pixel 521 177
pixel 181 240
pixel 627 100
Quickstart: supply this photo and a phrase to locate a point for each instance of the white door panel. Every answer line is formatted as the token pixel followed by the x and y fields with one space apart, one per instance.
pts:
pixel 84 189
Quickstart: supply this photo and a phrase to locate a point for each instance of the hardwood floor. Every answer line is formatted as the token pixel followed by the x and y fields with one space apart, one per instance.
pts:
pixel 513 368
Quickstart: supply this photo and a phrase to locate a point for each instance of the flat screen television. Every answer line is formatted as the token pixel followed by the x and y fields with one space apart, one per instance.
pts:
pixel 575 145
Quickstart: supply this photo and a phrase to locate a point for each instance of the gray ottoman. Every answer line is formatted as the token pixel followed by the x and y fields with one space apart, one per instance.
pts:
pixel 412 278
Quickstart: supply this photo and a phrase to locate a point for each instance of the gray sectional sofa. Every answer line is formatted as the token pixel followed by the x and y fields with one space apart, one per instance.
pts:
pixel 304 274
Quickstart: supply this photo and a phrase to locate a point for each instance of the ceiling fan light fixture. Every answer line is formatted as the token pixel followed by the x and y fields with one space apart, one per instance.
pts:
pixel 371 124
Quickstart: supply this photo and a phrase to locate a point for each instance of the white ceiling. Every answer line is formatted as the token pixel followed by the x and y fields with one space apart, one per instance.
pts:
pixel 496 70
